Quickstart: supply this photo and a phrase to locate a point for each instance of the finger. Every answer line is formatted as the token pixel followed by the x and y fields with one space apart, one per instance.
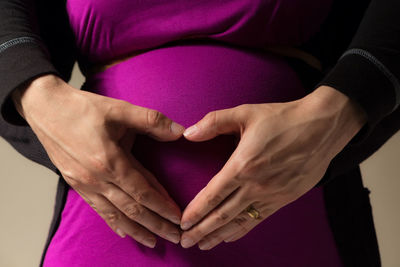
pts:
pixel 151 178
pixel 223 214
pixel 147 121
pixel 215 123
pixel 141 214
pixel 139 188
pixel 240 224
pixel 126 144
pixel 117 221
pixel 243 227
pixel 217 190
pixel 226 181
pixel 127 177
pixel 121 165
pixel 235 229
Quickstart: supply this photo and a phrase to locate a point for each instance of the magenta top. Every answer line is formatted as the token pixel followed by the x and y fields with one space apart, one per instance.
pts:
pixel 108 29
pixel 185 80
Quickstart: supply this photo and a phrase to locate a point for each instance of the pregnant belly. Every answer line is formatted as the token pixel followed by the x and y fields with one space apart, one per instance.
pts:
pixel 185 82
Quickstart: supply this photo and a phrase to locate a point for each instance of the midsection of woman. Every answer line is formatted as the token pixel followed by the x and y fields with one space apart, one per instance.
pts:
pixel 185 80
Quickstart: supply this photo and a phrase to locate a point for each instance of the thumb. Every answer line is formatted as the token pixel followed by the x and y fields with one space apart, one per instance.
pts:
pixel 148 121
pixel 224 121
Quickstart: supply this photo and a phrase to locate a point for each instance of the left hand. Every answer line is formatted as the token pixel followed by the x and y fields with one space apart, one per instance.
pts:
pixel 284 150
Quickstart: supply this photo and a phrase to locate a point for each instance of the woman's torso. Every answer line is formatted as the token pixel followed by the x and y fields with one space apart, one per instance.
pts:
pixel 185 80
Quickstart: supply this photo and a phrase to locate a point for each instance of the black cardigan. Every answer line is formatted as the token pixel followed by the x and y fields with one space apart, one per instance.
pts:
pixel 35 39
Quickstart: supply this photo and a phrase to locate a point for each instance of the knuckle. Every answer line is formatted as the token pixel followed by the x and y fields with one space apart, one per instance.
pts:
pixel 68 173
pixel 120 179
pixel 99 162
pixel 112 216
pixel 143 197
pixel 109 111
pixel 213 200
pixel 154 118
pixel 108 191
pixel 70 178
pixel 72 182
pixel 195 216
pixel 240 221
pixel 115 109
pixel 222 217
pixel 88 179
pixel 211 118
pixel 76 176
pixel 133 211
pixel 242 109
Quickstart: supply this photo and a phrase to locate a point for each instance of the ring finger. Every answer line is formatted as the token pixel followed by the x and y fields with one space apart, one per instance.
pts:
pixel 228 210
pixel 235 229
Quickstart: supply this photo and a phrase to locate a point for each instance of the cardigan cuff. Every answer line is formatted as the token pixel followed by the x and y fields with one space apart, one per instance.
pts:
pixel 365 80
pixel 21 60
pixel 371 85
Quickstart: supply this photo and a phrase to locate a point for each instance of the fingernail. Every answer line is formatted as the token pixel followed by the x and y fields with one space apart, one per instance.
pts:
pixel 228 240
pixel 187 242
pixel 190 131
pixel 120 232
pixel 150 242
pixel 204 246
pixel 174 237
pixel 186 225
pixel 176 220
pixel 176 128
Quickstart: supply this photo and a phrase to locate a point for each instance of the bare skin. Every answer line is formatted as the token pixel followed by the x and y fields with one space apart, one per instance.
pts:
pixel 284 150
pixel 88 137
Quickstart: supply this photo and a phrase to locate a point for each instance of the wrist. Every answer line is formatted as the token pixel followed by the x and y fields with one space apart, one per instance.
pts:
pixel 346 114
pixel 36 93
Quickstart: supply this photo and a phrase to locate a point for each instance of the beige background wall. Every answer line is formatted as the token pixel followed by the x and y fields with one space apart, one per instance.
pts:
pixel 27 198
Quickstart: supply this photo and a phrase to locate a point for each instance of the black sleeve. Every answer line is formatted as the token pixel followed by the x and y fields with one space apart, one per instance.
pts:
pixel 34 40
pixel 23 55
pixel 369 73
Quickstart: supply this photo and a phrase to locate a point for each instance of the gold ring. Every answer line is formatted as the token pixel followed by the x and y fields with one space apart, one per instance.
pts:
pixel 253 213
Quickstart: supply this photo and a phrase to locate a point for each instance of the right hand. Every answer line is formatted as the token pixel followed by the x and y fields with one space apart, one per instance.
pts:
pixel 89 138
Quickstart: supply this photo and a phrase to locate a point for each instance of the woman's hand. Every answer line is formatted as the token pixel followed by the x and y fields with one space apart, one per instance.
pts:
pixel 89 138
pixel 284 150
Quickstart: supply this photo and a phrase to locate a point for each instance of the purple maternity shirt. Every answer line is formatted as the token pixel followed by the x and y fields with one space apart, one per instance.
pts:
pixel 185 80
